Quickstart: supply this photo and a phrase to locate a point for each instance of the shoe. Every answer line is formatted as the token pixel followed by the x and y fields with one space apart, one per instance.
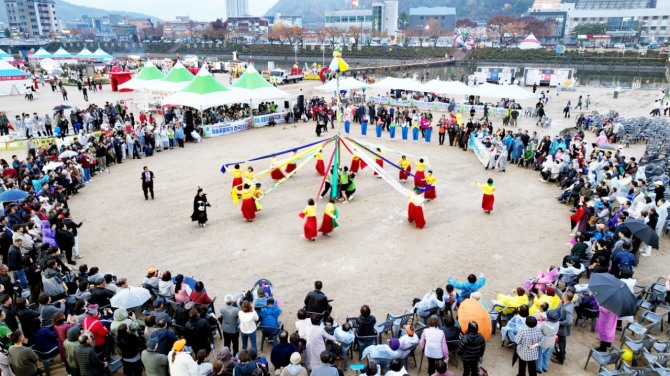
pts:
pixel 554 360
pixel 78 257
pixel 204 225
pixel 146 198
pixel 152 197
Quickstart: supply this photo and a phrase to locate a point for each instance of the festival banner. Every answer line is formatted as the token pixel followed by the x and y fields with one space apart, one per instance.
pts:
pixel 263 120
pixel 220 129
pixel 498 112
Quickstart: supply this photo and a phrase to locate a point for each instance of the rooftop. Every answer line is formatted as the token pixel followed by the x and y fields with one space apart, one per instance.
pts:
pixel 432 11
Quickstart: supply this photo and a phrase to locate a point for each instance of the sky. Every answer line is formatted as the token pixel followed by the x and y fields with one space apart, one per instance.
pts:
pixel 168 9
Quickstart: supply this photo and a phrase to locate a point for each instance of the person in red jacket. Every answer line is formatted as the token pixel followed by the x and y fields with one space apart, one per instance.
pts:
pixel 577 216
pixel 93 324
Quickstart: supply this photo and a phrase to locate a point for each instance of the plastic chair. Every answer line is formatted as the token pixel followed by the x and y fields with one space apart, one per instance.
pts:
pixel 660 359
pixel 384 327
pixel 637 345
pixel 265 336
pixel 456 342
pixel 362 342
pixel 114 365
pixel 411 352
pixel 638 371
pixel 593 312
pixel 399 321
pixel 47 358
pixel 605 358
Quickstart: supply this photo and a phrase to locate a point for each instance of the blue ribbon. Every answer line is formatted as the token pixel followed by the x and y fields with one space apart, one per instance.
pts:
pixel 425 186
pixel 223 168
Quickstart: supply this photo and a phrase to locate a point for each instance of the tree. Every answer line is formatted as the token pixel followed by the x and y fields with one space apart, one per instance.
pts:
pixel 355 33
pixel 155 32
pixel 335 34
pixel 465 23
pixel 83 33
pixel 403 21
pixel 501 24
pixel 540 28
pixel 589 28
pixel 434 30
pixel 216 30
pixel 321 35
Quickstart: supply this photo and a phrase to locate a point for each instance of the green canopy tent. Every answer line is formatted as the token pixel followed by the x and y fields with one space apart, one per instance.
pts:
pixel 178 78
pixel 142 80
pixel 258 87
pixel 204 92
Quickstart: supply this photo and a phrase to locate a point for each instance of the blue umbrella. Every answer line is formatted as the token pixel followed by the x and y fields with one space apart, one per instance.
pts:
pixel 190 282
pixel 13 195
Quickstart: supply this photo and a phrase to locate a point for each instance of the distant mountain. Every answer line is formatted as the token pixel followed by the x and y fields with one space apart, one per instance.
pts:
pixel 66 11
pixel 478 10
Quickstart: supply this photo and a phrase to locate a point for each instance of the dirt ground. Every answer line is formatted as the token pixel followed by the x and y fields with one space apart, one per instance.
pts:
pixel 375 257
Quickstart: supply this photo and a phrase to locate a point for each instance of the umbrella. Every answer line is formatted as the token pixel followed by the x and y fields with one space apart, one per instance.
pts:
pixel 61 107
pixel 643 232
pixel 13 195
pixel 130 298
pixel 613 294
pixel 605 147
pixel 190 282
pixel 473 310
pixel 51 166
pixel 68 154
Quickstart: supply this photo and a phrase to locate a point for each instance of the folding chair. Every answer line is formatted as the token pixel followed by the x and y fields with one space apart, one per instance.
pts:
pixel 265 336
pixel 399 321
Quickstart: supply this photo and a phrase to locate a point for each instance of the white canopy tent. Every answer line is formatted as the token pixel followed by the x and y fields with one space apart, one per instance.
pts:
pixel 447 87
pixel 530 43
pixel 502 91
pixel 5 56
pixel 398 83
pixel 40 54
pixel 347 83
pixel 143 79
pixel 12 80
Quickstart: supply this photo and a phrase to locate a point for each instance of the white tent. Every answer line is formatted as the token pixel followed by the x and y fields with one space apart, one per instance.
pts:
pixel 178 78
pixel 85 54
pixel 205 92
pixel 5 56
pixel 398 83
pixel 102 55
pixel 12 80
pixel 347 83
pixel 49 65
pixel 40 54
pixel 530 43
pixel 61 54
pixel 447 87
pixel 502 91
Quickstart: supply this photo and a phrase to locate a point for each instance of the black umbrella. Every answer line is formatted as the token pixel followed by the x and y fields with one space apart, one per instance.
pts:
pixel 613 294
pixel 643 232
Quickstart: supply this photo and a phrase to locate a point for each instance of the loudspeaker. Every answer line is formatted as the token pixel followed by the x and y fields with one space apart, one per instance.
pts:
pixel 286 104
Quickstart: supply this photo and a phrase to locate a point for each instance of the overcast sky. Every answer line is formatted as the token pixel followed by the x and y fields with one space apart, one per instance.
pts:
pixel 168 9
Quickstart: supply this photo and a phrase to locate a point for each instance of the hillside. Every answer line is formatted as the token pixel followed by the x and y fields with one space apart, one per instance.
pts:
pixel 66 11
pixel 474 9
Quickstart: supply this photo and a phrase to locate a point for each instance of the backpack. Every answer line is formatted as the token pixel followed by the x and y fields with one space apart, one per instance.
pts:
pixel 88 332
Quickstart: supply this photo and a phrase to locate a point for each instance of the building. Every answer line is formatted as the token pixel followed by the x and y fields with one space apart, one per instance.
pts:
pixel 422 17
pixel 381 17
pixel 247 25
pixel 237 8
pixel 33 18
pixel 626 21
pixel 287 21
pixel 183 26
pixel 140 23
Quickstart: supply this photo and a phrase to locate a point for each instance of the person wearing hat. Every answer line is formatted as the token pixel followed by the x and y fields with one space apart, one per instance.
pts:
pixel 159 310
pixel 200 205
pixel 152 280
pixel 181 362
pixel 383 354
pixel 549 331
pixel 415 209
pixel 93 324
pixel 294 369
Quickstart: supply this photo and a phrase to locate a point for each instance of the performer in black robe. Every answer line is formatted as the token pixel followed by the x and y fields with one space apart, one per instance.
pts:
pixel 200 205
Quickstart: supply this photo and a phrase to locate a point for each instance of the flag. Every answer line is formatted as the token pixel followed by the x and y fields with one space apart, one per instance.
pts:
pixel 338 65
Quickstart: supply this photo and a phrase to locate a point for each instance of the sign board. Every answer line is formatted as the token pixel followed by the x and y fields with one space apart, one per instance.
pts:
pixel 220 129
pixel 263 120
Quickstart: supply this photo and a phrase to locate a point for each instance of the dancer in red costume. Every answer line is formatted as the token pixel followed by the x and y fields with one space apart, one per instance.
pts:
pixel 309 214
pixel 415 209
pixel 248 203
pixel 291 166
pixel 276 173
pixel 320 167
pixel 379 161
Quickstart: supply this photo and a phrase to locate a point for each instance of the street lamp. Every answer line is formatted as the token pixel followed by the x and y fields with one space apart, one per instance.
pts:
pixel 323 54
pixel 295 53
